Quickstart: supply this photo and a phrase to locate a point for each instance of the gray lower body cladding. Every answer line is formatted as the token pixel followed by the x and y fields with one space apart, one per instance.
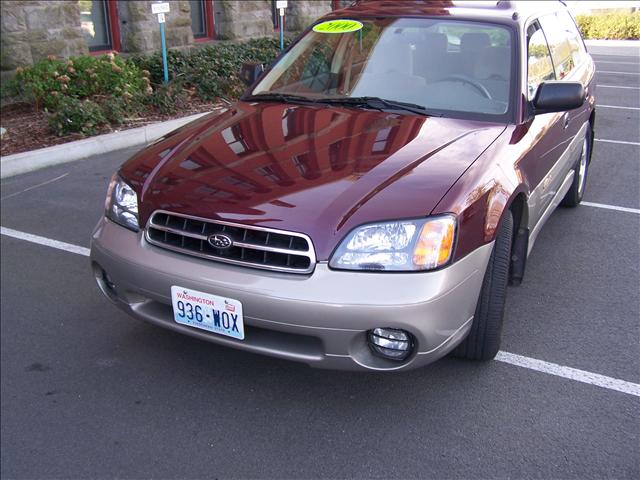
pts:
pixel 321 319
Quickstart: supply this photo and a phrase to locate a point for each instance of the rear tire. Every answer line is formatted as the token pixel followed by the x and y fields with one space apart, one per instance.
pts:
pixel 483 341
pixel 576 192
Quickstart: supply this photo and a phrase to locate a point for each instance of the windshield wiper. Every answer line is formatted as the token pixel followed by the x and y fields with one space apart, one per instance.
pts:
pixel 281 97
pixel 380 104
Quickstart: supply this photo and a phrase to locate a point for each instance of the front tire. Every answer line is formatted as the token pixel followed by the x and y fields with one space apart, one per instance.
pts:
pixel 576 192
pixel 483 341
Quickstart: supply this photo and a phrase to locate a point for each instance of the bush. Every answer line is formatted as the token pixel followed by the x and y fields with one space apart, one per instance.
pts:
pixel 169 99
pixel 212 70
pixel 49 80
pixel 86 92
pixel 73 115
pixel 610 26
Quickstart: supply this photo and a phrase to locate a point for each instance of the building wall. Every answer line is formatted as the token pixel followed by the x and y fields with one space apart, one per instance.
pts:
pixel 301 13
pixel 32 30
pixel 139 29
pixel 240 19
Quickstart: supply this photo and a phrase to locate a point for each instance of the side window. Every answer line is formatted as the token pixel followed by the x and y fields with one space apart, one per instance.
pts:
pixel 567 49
pixel 539 65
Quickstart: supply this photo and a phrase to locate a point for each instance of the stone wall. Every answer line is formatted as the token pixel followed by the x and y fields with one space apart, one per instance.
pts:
pixel 241 19
pixel 139 29
pixel 32 30
pixel 302 13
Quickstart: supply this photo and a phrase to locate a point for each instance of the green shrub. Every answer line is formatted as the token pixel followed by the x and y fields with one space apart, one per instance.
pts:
pixel 212 70
pixel 169 99
pixel 118 109
pixel 83 93
pixel 73 115
pixel 610 26
pixel 49 80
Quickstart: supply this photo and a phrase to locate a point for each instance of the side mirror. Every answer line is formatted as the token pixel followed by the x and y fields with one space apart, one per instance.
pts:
pixel 250 72
pixel 558 96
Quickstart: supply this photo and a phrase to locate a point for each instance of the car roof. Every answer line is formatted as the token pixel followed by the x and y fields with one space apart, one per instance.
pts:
pixel 503 11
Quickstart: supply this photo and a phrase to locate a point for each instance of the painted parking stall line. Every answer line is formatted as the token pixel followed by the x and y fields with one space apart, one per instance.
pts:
pixel 611 207
pixel 571 373
pixel 618 106
pixel 47 242
pixel 618 86
pixel 549 368
pixel 618 73
pixel 620 142
pixel 617 63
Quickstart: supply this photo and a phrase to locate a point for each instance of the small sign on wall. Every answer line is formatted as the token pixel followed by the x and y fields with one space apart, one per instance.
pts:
pixel 157 8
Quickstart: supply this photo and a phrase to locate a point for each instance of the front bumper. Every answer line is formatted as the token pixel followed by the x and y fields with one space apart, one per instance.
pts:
pixel 320 319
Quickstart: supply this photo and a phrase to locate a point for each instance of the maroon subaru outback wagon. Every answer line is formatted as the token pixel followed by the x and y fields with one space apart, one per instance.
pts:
pixel 368 200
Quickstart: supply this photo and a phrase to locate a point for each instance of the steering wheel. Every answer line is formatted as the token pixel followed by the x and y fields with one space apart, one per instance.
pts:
pixel 468 80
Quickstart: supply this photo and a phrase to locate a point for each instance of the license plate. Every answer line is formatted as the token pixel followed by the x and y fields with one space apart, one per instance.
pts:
pixel 208 312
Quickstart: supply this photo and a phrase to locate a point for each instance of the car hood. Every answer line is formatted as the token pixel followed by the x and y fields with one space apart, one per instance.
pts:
pixel 312 169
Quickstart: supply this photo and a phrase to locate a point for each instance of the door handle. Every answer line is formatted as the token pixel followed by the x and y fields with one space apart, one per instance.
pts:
pixel 565 120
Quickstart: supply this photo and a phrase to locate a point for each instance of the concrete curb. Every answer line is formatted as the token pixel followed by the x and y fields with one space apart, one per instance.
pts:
pixel 18 163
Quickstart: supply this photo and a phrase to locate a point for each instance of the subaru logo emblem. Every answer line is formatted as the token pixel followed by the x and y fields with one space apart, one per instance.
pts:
pixel 221 241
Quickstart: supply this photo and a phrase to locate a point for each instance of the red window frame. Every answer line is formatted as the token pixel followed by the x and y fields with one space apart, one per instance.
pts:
pixel 209 22
pixel 276 24
pixel 113 23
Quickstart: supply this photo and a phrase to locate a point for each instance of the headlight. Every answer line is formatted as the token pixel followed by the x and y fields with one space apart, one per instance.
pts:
pixel 122 204
pixel 406 245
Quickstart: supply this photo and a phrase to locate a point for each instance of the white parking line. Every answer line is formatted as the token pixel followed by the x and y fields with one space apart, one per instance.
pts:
pixel 617 63
pixel 618 86
pixel 36 186
pixel 48 242
pixel 593 54
pixel 570 373
pixel 618 73
pixel 621 142
pixel 617 106
pixel 611 207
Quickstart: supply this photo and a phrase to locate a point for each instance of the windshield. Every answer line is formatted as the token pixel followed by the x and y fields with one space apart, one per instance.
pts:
pixel 444 65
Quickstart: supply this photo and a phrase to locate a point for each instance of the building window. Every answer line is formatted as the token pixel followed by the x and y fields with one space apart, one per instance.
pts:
pixel 99 23
pixel 202 19
pixel 275 15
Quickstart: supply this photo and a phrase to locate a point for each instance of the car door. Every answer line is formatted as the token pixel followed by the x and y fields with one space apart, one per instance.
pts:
pixel 546 131
pixel 566 133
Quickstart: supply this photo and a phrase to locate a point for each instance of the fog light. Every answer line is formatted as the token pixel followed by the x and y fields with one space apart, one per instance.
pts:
pixel 390 343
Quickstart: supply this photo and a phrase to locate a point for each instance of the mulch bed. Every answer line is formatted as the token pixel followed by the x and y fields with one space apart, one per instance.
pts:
pixel 27 129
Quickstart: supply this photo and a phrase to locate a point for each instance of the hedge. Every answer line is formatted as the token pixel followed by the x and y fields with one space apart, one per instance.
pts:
pixel 212 70
pixel 610 26
pixel 84 93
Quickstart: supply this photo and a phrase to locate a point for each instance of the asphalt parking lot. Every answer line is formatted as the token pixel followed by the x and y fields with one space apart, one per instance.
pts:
pixel 88 392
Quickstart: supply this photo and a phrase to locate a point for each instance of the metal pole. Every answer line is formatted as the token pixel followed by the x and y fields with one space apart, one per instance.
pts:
pixel 282 29
pixel 165 70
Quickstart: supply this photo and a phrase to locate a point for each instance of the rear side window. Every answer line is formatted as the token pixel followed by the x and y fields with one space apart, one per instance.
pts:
pixel 539 65
pixel 567 49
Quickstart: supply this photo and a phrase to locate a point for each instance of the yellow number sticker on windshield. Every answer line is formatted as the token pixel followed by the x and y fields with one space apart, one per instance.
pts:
pixel 338 26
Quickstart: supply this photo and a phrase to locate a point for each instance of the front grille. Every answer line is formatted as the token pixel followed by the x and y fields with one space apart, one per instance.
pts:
pixel 256 247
